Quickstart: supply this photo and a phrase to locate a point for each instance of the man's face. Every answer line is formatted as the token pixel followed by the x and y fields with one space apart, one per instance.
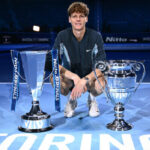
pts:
pixel 78 21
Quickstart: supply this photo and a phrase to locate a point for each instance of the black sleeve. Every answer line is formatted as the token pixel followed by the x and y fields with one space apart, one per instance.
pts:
pixel 101 52
pixel 48 64
pixel 57 42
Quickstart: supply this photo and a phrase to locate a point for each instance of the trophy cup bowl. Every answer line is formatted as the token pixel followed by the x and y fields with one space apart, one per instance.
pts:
pixel 33 65
pixel 121 85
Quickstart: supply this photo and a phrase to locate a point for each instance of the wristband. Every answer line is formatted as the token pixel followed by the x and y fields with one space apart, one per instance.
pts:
pixel 86 78
pixel 87 81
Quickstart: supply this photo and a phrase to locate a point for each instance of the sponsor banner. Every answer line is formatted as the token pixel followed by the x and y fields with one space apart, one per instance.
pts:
pixel 14 38
pixel 15 85
pixel 56 78
pixel 126 38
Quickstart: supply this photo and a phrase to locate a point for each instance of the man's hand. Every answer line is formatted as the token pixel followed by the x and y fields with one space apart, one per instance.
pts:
pixel 75 79
pixel 79 88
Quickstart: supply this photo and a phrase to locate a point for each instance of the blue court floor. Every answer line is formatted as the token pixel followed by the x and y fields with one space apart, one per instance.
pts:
pixel 80 132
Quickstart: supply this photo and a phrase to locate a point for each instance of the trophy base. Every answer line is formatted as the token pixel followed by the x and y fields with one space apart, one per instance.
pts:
pixel 35 123
pixel 34 130
pixel 119 125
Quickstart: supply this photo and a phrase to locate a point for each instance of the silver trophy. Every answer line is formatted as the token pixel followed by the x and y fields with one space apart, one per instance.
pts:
pixel 121 84
pixel 33 65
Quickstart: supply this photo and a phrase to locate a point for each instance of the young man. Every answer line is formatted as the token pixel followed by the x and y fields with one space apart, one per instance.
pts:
pixel 79 42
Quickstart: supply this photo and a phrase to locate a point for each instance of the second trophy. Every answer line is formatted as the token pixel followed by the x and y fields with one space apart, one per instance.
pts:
pixel 121 85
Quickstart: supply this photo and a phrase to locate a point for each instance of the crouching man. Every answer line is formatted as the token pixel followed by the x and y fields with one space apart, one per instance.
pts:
pixel 79 42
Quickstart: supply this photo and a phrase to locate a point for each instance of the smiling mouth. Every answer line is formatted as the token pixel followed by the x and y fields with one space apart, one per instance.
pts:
pixel 78 24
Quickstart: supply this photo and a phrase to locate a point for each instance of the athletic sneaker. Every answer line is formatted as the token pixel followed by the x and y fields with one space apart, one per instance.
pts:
pixel 93 107
pixel 70 107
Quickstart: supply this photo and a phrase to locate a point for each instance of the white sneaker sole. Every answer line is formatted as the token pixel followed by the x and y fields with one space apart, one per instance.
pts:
pixel 69 115
pixel 94 114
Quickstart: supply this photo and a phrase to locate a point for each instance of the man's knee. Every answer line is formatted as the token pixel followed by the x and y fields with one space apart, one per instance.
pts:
pixel 96 87
pixel 66 84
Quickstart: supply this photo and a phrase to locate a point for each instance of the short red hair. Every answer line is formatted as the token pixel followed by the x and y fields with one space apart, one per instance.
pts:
pixel 78 7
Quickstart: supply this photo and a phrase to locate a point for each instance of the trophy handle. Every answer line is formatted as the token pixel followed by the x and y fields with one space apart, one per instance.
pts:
pixel 45 78
pixel 137 67
pixel 11 51
pixel 102 67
